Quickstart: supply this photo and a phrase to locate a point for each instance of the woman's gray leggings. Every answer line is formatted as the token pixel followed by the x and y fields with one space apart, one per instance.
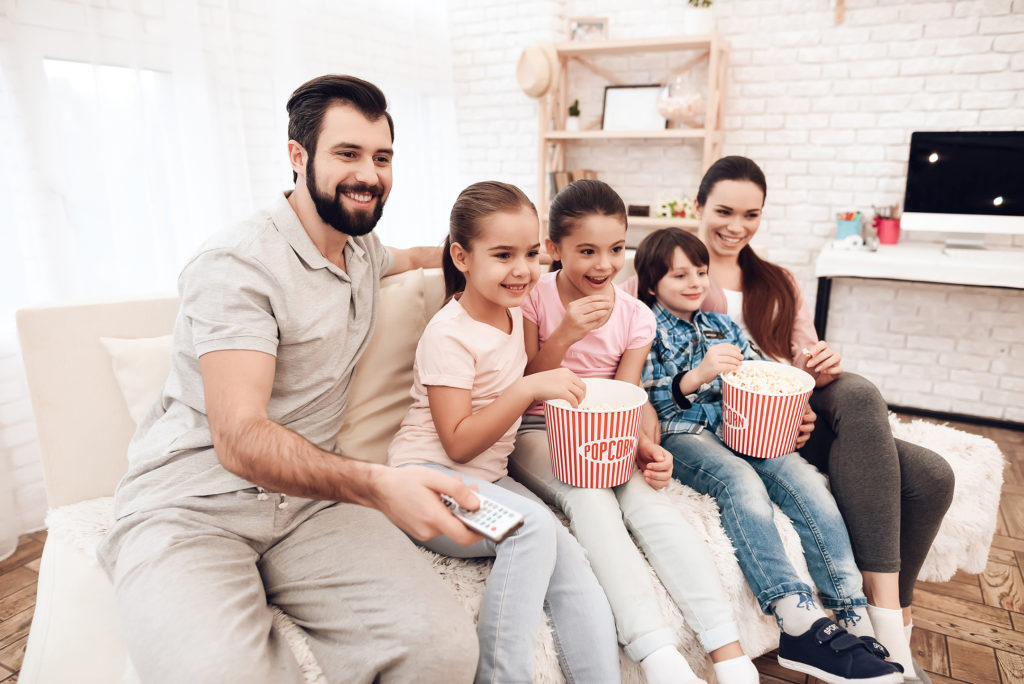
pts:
pixel 892 494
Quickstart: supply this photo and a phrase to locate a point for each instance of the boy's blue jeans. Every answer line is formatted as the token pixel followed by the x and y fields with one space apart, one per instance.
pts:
pixel 745 488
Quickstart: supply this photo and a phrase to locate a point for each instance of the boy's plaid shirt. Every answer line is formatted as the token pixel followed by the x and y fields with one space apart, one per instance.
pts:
pixel 680 346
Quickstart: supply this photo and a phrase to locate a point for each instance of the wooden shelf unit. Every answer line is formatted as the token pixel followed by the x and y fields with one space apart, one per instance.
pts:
pixel 662 222
pixel 554 139
pixel 611 135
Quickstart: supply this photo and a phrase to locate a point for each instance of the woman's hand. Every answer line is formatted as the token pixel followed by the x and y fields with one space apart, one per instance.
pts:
pixel 655 462
pixel 558 383
pixel 720 358
pixel 583 315
pixel 806 427
pixel 821 359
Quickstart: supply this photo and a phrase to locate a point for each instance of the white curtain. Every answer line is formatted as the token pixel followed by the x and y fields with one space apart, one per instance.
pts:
pixel 128 135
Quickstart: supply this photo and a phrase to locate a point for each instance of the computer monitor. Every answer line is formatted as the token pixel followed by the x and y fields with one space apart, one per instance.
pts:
pixel 965 183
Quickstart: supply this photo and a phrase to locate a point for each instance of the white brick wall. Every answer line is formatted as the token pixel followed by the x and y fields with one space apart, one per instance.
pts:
pixel 827 111
pixel 496 123
pixel 944 348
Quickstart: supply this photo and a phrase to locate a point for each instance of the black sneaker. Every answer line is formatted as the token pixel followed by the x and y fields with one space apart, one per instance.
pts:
pixel 881 651
pixel 830 653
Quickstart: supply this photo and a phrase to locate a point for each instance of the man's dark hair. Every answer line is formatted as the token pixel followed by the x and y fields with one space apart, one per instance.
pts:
pixel 310 100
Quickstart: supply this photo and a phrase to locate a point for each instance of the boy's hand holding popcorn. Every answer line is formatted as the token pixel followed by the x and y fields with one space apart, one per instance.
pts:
pixel 720 358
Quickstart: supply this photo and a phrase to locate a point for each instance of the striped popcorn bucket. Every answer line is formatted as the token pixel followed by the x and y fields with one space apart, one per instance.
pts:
pixel 593 446
pixel 759 424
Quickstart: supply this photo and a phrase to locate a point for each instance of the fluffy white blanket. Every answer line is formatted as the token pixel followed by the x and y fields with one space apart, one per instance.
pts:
pixel 962 543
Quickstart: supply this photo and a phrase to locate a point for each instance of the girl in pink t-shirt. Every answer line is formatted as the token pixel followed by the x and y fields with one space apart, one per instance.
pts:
pixel 469 395
pixel 577 319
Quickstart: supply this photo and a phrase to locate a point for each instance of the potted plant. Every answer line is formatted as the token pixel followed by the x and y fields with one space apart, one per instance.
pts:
pixel 698 18
pixel 572 122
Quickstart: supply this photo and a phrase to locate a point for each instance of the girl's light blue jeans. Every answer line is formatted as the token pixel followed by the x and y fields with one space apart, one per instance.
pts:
pixel 745 488
pixel 538 567
pixel 602 519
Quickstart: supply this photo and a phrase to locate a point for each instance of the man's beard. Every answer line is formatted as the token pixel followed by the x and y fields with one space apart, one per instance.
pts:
pixel 333 212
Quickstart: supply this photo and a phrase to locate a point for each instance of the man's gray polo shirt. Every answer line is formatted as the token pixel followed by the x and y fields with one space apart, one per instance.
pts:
pixel 260 286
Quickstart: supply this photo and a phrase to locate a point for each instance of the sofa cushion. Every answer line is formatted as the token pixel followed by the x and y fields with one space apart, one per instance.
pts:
pixel 379 396
pixel 140 367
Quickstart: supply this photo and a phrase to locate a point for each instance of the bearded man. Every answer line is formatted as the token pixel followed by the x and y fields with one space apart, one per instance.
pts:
pixel 234 497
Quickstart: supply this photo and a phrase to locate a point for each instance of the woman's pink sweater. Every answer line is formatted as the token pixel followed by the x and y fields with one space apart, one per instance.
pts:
pixel 804 335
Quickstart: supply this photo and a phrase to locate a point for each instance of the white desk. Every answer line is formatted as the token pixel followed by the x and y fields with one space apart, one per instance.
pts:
pixel 930 263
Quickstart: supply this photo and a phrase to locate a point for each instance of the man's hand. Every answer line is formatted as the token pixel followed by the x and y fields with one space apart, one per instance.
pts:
pixel 411 498
pixel 655 462
pixel 413 258
pixel 806 427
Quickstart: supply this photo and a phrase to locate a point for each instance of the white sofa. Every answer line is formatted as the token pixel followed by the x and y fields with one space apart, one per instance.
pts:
pixel 85 392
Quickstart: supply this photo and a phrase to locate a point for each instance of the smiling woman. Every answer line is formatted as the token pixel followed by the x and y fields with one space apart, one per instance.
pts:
pixel 729 213
pixel 892 494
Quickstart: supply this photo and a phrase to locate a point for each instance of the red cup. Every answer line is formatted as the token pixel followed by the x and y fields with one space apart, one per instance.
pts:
pixel 764 425
pixel 888 230
pixel 595 448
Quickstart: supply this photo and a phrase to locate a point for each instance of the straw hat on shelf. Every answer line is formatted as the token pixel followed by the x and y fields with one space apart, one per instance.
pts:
pixel 538 69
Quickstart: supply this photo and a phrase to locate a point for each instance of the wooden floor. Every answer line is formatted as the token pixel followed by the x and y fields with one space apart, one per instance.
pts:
pixel 970 629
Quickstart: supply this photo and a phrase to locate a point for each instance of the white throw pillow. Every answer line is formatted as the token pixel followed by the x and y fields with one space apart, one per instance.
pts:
pixel 379 396
pixel 141 367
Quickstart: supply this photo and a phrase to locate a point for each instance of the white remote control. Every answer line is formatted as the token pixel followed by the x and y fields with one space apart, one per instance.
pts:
pixel 492 519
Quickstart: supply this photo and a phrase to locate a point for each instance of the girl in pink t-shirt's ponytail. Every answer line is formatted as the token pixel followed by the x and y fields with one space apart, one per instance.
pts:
pixel 469 394
pixel 576 318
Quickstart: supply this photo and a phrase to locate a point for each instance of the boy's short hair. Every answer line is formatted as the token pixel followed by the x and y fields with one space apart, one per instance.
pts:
pixel 653 258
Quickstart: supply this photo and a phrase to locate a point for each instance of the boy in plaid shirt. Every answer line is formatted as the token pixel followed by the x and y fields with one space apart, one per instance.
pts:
pixel 683 377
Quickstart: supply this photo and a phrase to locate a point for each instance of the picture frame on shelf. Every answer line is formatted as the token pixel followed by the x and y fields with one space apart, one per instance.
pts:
pixel 586 29
pixel 632 108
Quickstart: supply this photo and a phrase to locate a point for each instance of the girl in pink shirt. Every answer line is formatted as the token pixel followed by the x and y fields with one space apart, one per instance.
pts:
pixel 469 394
pixel 577 319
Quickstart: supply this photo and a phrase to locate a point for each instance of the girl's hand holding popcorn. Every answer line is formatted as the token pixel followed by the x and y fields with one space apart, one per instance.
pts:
pixel 583 315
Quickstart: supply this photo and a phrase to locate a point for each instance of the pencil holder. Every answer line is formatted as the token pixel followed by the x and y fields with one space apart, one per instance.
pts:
pixel 845 229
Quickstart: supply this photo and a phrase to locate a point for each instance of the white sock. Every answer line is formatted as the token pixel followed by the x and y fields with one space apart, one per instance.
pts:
pixel 855 621
pixel 890 631
pixel 796 613
pixel 738 670
pixel 668 666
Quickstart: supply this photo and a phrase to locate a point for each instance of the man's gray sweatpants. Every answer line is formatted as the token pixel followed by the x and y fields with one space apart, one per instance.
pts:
pixel 193 581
